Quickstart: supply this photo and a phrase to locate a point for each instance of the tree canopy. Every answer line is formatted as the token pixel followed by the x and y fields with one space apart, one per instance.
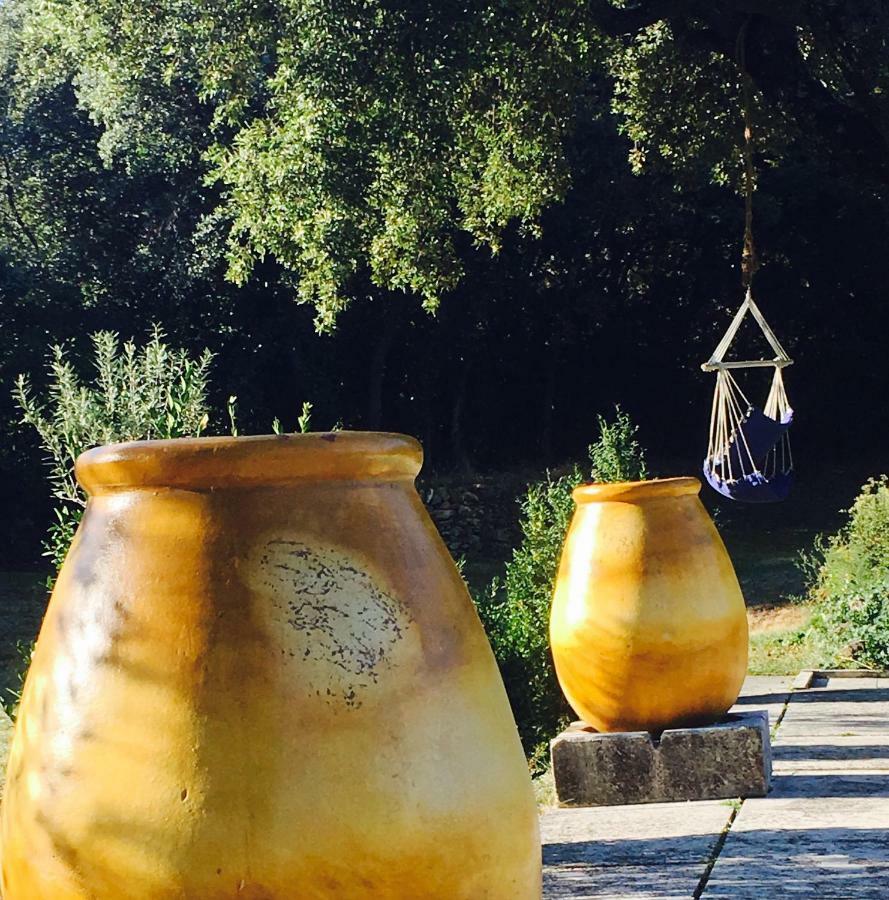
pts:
pixel 371 142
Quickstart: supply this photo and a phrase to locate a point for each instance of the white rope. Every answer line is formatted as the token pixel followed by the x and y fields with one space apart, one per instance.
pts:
pixel 722 347
pixel 777 405
pixel 778 408
pixel 730 409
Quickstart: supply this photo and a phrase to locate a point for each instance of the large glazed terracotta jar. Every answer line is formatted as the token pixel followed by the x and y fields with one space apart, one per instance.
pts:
pixel 261 676
pixel 648 626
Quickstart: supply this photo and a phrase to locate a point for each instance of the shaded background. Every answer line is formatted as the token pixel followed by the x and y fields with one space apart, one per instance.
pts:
pixel 626 292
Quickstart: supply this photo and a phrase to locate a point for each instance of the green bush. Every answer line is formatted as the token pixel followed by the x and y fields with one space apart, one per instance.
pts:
pixel 617 455
pixel 155 391
pixel 515 610
pixel 849 581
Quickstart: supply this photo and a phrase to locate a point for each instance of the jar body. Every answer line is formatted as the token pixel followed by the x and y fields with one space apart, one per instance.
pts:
pixel 648 626
pixel 264 691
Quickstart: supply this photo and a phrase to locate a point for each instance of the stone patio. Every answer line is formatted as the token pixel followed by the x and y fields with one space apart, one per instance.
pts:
pixel 823 831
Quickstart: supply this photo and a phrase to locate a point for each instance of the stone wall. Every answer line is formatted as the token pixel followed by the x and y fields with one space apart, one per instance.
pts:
pixel 477 515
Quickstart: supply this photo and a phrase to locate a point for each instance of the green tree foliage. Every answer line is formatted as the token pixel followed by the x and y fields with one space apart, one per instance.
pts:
pixel 75 208
pixel 137 393
pixel 349 136
pixel 819 69
pixel 850 581
pixel 355 140
pixel 515 612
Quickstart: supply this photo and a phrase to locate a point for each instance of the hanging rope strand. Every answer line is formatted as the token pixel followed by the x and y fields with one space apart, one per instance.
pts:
pixel 749 260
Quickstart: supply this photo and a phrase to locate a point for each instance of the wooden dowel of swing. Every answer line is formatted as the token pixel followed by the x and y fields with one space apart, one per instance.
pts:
pixel 747 364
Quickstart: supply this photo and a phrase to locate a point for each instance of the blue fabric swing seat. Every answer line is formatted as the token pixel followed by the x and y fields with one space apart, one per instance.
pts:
pixel 762 441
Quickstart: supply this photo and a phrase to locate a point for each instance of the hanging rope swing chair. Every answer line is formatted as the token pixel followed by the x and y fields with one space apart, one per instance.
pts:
pixel 749 457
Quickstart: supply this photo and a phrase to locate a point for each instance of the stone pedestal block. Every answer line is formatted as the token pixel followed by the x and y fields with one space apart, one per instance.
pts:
pixel 729 759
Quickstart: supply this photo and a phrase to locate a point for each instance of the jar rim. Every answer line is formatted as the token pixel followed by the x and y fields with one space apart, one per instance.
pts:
pixel 251 461
pixel 636 491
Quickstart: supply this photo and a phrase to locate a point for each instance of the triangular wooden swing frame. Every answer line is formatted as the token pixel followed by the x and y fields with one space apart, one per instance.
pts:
pixel 717 360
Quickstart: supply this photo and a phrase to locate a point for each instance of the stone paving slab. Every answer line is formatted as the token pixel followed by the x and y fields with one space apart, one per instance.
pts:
pixel 766 685
pixel 626 883
pixel 766 692
pixel 831 753
pixel 823 832
pixel 805 846
pixel 652 851
pixel 835 714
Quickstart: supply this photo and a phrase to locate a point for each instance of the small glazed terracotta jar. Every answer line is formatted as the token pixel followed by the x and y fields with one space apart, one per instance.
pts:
pixel 261 676
pixel 648 625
